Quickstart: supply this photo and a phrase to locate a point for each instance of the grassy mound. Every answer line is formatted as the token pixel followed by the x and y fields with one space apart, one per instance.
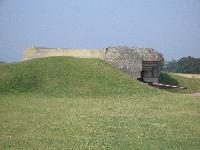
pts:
pixel 191 85
pixel 67 76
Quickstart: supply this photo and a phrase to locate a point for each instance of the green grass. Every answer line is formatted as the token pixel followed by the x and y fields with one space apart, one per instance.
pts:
pixel 190 85
pixel 70 103
pixel 71 77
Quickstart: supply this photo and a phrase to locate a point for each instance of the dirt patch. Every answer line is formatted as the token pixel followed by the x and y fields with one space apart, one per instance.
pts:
pixel 195 94
pixel 191 76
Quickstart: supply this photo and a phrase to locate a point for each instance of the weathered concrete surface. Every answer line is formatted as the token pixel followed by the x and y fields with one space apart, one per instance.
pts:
pixel 140 63
pixel 124 58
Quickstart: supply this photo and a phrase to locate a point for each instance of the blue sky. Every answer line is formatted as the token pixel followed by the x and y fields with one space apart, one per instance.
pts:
pixel 172 27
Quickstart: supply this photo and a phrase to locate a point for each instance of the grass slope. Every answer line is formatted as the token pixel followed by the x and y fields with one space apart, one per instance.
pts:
pixel 61 76
pixel 70 103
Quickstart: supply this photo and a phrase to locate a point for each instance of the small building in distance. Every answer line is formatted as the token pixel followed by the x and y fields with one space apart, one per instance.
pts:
pixel 141 63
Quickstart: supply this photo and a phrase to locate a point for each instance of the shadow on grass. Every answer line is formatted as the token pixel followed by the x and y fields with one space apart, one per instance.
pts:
pixel 167 79
pixel 191 85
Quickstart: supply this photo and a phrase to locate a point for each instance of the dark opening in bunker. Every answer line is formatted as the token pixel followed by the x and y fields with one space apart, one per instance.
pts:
pixel 150 71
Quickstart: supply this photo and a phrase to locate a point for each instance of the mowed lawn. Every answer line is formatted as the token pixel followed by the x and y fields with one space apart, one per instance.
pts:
pixel 167 121
pixel 130 115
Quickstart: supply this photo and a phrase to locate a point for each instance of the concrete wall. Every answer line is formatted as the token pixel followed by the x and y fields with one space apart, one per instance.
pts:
pixel 125 59
pixel 33 53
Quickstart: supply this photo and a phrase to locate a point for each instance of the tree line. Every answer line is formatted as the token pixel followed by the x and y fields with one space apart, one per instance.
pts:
pixel 184 65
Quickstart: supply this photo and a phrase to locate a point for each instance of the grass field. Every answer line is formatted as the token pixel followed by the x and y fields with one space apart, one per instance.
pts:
pixel 191 76
pixel 71 103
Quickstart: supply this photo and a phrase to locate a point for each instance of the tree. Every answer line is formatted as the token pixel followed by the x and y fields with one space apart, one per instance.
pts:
pixel 171 66
pixel 184 65
pixel 189 65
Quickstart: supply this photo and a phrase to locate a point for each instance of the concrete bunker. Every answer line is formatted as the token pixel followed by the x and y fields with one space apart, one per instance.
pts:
pixel 141 63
